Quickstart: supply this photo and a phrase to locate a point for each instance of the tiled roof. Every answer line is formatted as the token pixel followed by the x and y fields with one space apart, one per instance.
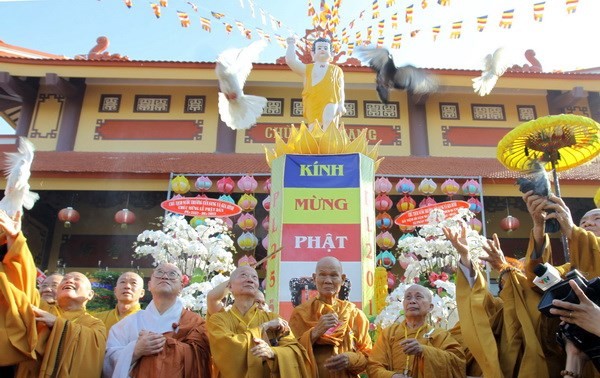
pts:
pixel 12 51
pixel 72 164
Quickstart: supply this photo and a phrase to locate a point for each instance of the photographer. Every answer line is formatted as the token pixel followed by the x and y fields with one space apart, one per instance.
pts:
pixel 584 241
pixel 586 315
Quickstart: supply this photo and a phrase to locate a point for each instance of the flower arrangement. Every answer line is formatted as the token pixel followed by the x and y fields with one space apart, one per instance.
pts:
pixel 203 252
pixel 430 260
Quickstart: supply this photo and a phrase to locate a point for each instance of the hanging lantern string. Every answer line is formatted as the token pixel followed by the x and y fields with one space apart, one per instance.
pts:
pixel 507 211
pixel 127 203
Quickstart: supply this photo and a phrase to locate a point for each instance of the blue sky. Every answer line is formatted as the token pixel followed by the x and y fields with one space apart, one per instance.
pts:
pixel 70 27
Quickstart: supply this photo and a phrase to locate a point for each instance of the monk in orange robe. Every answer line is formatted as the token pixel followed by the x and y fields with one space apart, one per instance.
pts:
pixel 128 291
pixel 49 286
pixel 414 348
pixel 163 340
pixel 247 341
pixel 61 341
pixel 334 332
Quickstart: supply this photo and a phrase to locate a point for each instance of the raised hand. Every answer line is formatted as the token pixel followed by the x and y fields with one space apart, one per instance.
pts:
pixel 495 255
pixel 459 241
pixel 561 213
pixel 586 314
pixel 44 317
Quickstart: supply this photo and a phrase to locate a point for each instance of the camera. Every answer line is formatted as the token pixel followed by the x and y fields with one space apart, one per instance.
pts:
pixel 537 180
pixel 583 340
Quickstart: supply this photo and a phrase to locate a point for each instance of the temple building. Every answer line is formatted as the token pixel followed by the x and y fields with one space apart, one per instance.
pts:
pixel 110 134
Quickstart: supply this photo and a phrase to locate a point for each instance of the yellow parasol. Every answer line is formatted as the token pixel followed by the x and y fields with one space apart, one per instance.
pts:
pixel 559 142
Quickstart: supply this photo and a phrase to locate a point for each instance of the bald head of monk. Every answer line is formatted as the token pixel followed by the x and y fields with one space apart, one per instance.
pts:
pixel 129 288
pixel 74 291
pixel 417 304
pixel 49 287
pixel 328 278
pixel 244 282
pixel 166 281
pixel 591 221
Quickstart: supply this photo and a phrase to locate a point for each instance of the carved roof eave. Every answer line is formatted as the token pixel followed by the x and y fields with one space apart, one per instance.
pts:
pixel 102 64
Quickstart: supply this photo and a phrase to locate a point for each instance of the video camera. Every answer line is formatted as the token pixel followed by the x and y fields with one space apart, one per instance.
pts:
pixel 537 180
pixel 583 340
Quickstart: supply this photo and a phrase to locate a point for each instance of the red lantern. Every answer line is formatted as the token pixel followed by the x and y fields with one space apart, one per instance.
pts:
pixel 125 217
pixel 509 223
pixel 225 185
pixel 69 216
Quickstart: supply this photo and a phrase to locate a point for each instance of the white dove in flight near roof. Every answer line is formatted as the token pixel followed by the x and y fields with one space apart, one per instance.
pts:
pixel 496 65
pixel 238 110
pixel 18 169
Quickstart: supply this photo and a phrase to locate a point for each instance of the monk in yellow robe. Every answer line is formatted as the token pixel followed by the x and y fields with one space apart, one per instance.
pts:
pixel 247 341
pixel 128 291
pixel 215 299
pixel 413 348
pixel 163 340
pixel 61 341
pixel 334 332
pixel 323 95
pixel 507 335
pixel 584 241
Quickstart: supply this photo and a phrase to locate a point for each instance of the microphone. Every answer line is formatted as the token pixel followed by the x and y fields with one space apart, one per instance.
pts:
pixel 547 276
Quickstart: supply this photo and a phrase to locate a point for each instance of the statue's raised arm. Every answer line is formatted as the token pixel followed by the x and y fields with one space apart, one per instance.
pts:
pixel 323 95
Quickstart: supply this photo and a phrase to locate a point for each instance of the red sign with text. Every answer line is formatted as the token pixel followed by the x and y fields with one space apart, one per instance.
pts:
pixel 311 242
pixel 201 207
pixel 418 217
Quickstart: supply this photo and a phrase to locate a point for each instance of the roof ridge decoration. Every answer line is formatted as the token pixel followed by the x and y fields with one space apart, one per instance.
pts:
pixel 98 52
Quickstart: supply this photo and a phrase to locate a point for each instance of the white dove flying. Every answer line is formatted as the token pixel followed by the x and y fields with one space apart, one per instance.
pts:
pixel 18 169
pixel 238 110
pixel 496 65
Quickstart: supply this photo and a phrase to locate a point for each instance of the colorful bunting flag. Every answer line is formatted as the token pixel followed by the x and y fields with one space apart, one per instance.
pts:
pixel 507 19
pixel 156 8
pixel 444 3
pixel 456 29
pixel 344 36
pixel 538 11
pixel 414 33
pixel 369 33
pixel 397 41
pixel 571 6
pixel 381 27
pixel 380 41
pixel 351 24
pixel 375 9
pixel 409 14
pixel 240 26
pixel 424 4
pixel 275 24
pixel 350 48
pixel 247 33
pixel 228 27
pixel 205 23
pixel 395 21
pixel 216 15
pixel 361 14
pixel 128 3
pixel 163 3
pixel 481 21
pixel 184 19
pixel 281 41
pixel 263 16
pixel 194 7
pixel 435 31
pixel 251 3
pixel 311 9
pixel 389 3
pixel 358 39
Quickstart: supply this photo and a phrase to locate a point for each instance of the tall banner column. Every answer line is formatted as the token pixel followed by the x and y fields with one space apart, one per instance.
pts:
pixel 321 205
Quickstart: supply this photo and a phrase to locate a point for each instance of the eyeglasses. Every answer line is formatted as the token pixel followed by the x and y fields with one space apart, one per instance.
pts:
pixel 170 274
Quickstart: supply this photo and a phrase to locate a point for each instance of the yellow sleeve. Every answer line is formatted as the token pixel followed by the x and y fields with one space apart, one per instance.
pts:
pixel 20 269
pixel 444 354
pixel 584 249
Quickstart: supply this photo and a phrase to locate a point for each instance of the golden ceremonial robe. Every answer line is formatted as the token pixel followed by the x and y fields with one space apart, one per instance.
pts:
pixel 351 337
pixel 111 317
pixel 442 357
pixel 231 337
pixel 508 336
pixel 73 347
pixel 584 251
pixel 327 91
